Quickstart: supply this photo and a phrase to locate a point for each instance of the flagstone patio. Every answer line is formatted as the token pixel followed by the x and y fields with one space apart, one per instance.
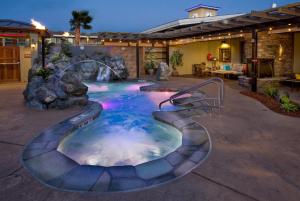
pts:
pixel 255 154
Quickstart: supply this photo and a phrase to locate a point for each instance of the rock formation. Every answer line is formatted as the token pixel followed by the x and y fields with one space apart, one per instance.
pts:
pixel 163 72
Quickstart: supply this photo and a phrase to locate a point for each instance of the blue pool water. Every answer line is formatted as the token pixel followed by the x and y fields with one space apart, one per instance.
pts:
pixel 125 133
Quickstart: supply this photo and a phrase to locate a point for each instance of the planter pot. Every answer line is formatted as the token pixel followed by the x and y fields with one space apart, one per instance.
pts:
pixel 175 73
pixel 151 71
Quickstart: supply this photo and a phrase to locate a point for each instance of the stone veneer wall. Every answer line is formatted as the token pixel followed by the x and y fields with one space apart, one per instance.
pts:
pixel 129 55
pixel 268 47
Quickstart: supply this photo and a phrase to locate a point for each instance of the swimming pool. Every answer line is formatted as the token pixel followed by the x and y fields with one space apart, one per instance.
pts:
pixel 125 133
pixel 118 143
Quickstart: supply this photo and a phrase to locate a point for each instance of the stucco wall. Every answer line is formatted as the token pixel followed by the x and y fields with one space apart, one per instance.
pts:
pixel 27 56
pixel 196 53
pixel 297 53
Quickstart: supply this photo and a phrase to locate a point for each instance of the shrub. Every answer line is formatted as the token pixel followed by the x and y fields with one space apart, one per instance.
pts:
pixel 271 91
pixel 43 72
pixel 288 105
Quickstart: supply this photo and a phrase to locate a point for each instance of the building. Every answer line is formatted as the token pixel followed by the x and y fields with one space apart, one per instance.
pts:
pixel 261 44
pixel 18 49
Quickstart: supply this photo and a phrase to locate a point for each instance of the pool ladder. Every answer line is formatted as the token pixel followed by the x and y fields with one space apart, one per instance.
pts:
pixel 199 101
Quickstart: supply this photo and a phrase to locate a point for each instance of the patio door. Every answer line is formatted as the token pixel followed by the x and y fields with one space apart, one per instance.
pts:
pixel 9 64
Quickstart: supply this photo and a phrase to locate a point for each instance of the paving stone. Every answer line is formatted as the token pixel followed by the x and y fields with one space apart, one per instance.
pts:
pixel 102 183
pixel 187 150
pixel 37 145
pixel 153 169
pixel 166 117
pixel 192 126
pixel 194 137
pixel 182 122
pixel 198 156
pixel 184 168
pixel 175 158
pixel 52 145
pixel 125 184
pixel 50 165
pixel 81 178
pixel 122 171
pixel 30 153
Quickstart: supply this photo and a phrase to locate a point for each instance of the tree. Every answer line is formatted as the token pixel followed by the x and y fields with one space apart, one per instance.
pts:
pixel 81 19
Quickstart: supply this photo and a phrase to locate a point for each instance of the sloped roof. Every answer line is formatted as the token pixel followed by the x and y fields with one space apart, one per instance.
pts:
pixel 7 23
pixel 188 22
pixel 202 6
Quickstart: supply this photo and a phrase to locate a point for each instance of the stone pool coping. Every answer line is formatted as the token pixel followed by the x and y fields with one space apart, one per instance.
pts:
pixel 52 168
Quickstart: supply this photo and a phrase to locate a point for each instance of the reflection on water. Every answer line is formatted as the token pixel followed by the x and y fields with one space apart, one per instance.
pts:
pixel 125 133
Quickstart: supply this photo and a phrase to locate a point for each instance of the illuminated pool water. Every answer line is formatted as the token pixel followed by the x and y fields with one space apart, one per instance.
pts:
pixel 125 133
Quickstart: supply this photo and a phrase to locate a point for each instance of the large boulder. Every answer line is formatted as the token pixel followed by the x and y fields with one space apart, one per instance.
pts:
pixel 45 95
pixel 114 69
pixel 163 72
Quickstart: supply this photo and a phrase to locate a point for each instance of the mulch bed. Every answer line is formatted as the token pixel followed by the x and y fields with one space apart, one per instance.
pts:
pixel 270 103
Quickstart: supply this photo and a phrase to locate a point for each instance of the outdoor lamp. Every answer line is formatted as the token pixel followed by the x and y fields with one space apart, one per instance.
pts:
pixel 225 45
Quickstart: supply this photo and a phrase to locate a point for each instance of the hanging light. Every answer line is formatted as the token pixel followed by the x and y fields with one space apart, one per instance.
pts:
pixel 225 45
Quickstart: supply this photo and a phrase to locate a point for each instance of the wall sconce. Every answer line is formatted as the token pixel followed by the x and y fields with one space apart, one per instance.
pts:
pixel 280 52
pixel 33 46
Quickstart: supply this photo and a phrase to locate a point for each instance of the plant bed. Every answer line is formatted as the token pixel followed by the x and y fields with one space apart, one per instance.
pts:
pixel 270 103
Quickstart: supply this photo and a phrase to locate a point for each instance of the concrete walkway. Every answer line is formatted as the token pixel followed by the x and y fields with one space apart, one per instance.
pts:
pixel 255 156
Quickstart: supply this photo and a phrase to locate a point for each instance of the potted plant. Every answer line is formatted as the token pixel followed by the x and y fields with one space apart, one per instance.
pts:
pixel 175 61
pixel 150 63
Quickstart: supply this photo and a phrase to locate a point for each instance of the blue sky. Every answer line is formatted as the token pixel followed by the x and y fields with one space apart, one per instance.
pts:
pixel 120 15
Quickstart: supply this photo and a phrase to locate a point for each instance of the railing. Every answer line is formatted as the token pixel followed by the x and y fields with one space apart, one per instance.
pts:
pixel 204 101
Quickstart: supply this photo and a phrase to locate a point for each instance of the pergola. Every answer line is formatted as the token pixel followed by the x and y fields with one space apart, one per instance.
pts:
pixel 262 20
pixel 286 17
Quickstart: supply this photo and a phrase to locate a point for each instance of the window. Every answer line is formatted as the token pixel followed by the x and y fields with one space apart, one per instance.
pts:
pixel 11 42
pixel 195 15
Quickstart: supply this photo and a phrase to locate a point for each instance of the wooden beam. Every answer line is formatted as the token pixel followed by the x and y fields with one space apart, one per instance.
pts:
pixel 248 20
pixel 289 12
pixel 265 15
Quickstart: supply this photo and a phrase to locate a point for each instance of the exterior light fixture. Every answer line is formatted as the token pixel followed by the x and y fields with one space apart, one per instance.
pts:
pixel 120 41
pixel 225 45
pixel 110 39
pixel 290 24
pixel 270 29
pixel 289 30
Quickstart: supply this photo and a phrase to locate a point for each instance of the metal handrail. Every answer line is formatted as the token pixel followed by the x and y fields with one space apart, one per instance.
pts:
pixel 218 81
pixel 98 62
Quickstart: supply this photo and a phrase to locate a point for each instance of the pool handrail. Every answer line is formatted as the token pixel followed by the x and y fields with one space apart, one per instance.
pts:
pixel 216 80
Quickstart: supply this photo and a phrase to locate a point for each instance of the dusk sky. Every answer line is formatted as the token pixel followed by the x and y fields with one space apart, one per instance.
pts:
pixel 120 15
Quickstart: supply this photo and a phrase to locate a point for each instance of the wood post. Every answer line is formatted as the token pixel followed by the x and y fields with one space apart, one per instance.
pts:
pixel 43 52
pixel 137 60
pixel 254 61
pixel 167 53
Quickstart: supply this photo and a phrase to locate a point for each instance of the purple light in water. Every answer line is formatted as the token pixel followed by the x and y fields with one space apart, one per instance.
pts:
pixel 109 105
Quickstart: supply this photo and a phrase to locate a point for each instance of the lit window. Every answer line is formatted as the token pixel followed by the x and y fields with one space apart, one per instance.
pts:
pixel 195 15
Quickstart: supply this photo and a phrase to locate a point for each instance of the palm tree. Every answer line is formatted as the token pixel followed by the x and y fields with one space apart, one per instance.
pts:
pixel 81 19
